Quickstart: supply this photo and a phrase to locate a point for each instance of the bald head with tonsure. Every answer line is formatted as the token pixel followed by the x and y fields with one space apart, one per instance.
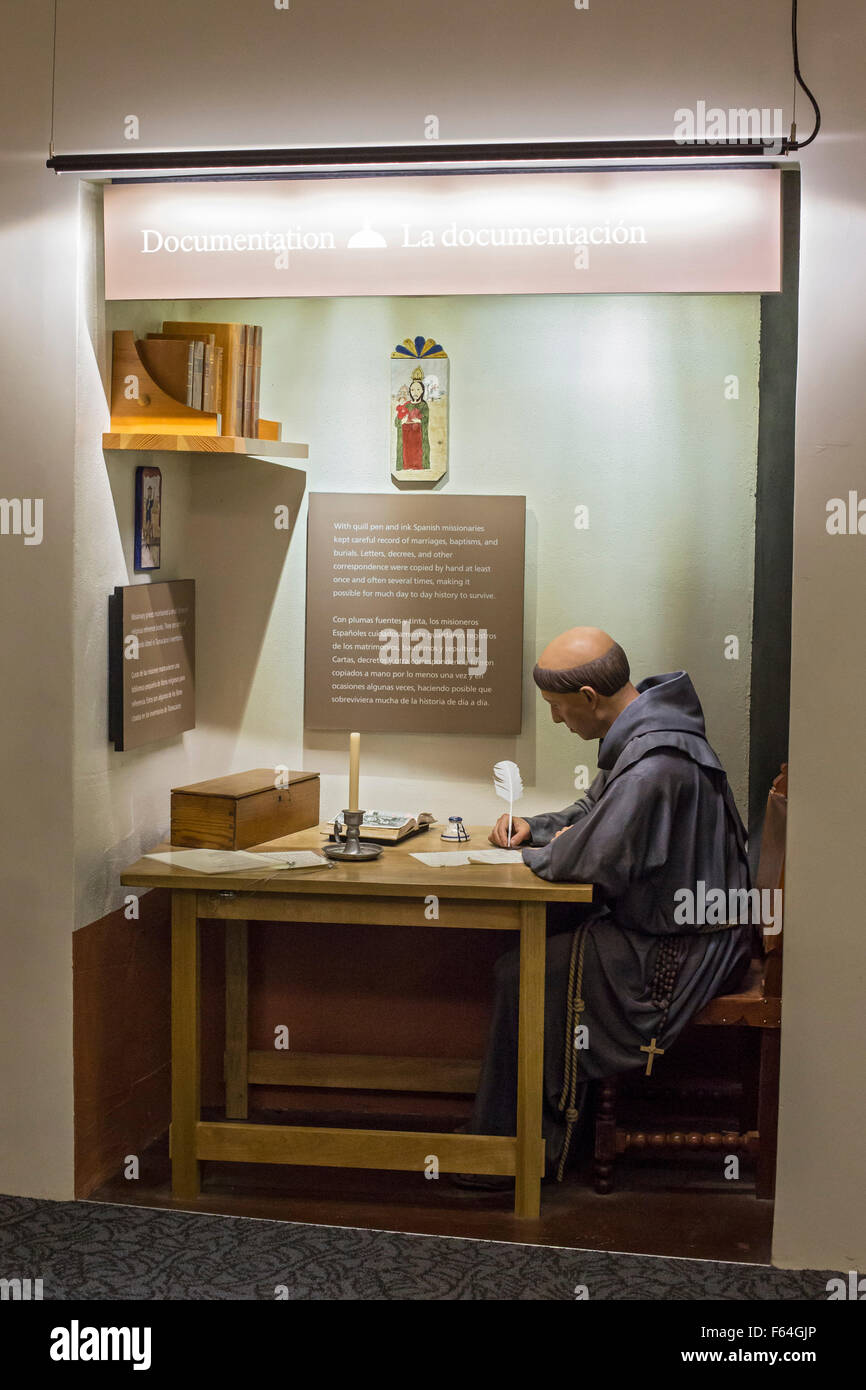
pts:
pixel 583 674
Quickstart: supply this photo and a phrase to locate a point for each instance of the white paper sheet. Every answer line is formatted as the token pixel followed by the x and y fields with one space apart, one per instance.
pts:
pixel 444 859
pixel 449 859
pixel 495 856
pixel 294 859
pixel 211 861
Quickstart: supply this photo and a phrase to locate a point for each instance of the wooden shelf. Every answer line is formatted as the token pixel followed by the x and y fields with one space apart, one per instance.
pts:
pixel 145 418
pixel 206 444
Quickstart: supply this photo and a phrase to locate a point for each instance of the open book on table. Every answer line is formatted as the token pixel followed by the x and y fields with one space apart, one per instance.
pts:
pixel 389 827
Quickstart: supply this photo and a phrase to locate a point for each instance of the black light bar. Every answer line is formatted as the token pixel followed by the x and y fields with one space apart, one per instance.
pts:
pixel 490 156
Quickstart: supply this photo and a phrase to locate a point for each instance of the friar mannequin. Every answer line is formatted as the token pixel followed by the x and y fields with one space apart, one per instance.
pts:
pixel 584 678
pixel 623 973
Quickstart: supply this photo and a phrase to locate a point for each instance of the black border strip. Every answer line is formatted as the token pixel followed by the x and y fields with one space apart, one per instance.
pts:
pixel 770 694
pixel 432 153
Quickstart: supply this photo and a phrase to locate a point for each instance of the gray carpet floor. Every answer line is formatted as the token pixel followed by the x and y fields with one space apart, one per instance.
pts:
pixel 88 1250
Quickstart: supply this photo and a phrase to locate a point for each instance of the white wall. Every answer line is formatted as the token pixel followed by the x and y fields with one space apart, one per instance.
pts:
pixel 820 1212
pixel 210 74
pixel 38 247
pixel 121 798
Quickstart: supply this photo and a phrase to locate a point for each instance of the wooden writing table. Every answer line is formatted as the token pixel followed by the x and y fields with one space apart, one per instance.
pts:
pixel 389 891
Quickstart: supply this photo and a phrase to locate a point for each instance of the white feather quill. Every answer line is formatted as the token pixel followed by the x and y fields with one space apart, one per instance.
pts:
pixel 508 785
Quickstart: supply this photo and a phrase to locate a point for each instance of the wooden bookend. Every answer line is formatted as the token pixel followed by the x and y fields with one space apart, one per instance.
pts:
pixel 140 406
pixel 269 429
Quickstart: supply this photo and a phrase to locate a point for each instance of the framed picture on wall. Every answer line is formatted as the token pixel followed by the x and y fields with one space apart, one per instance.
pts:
pixel 148 518
pixel 419 411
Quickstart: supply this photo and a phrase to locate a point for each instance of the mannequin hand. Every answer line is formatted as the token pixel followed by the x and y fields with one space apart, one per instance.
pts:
pixel 520 832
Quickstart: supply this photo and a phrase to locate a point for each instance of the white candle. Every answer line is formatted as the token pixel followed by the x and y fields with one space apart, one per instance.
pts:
pixel 354 771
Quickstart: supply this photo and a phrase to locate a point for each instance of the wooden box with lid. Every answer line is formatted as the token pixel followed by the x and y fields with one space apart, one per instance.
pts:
pixel 244 809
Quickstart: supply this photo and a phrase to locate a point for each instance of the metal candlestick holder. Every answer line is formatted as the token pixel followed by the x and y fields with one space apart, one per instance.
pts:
pixel 351 850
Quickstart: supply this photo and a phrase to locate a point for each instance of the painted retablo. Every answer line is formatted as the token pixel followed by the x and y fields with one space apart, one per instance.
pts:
pixel 419 411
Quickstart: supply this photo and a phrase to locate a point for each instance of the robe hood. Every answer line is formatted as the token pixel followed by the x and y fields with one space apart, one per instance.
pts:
pixel 667 714
pixel 652 821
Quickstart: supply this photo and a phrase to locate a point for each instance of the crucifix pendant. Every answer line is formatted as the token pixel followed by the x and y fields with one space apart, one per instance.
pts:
pixel 653 1052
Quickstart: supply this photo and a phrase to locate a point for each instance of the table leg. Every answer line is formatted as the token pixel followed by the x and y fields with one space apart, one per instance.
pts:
pixel 237 1036
pixel 530 1061
pixel 185 1045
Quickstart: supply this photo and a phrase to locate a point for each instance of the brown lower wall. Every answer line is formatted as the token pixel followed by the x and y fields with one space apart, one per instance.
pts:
pixel 414 992
pixel 121 1037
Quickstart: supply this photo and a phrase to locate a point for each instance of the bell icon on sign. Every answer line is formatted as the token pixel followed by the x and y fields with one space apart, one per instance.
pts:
pixel 367 239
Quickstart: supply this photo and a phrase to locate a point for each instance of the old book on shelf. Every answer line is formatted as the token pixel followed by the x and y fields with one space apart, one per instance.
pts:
pixel 217 378
pixel 198 373
pixel 257 380
pixel 208 397
pixel 252 377
pixel 205 356
pixel 243 809
pixel 247 381
pixel 229 337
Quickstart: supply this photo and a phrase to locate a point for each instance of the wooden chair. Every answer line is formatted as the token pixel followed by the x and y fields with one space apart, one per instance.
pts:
pixel 756 1006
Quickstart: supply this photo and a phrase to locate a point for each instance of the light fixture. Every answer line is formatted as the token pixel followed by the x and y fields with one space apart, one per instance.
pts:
pixel 512 157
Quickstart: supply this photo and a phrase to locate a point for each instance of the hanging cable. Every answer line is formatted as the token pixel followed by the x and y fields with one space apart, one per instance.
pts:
pixel 53 82
pixel 796 144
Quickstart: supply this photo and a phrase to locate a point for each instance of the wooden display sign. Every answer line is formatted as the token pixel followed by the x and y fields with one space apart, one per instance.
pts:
pixel 151 662
pixel 415 613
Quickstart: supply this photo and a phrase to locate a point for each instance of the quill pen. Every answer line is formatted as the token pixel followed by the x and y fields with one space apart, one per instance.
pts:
pixel 508 785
